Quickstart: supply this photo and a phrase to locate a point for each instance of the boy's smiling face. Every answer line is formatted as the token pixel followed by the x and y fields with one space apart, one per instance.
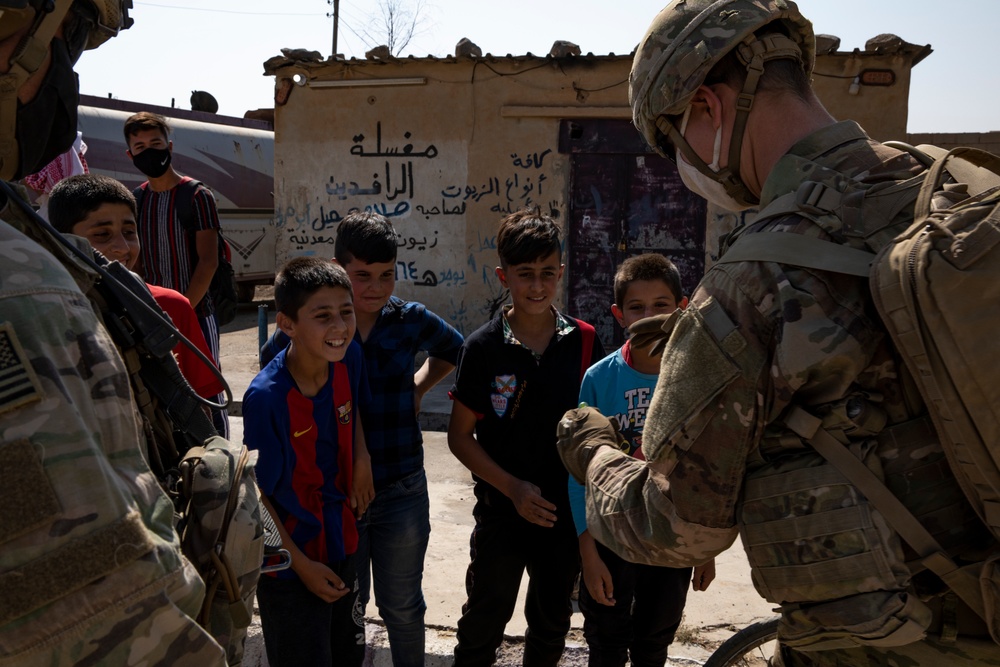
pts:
pixel 373 284
pixel 646 298
pixel 110 229
pixel 324 327
pixel 532 285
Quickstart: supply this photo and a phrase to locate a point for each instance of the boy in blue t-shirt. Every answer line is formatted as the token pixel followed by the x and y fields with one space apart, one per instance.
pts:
pixel 301 415
pixel 393 534
pixel 630 611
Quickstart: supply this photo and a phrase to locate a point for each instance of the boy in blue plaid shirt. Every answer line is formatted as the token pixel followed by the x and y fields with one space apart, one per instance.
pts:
pixel 393 533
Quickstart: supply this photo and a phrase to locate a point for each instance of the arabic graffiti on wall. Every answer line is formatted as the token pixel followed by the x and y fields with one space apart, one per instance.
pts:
pixel 446 220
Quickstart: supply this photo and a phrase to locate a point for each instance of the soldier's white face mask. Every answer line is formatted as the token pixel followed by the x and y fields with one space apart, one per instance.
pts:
pixel 700 183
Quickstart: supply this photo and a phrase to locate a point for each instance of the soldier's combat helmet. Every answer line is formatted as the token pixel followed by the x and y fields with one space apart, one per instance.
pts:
pixel 682 45
pixel 31 137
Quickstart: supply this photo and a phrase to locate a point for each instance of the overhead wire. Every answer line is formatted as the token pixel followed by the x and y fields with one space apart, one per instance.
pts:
pixel 219 11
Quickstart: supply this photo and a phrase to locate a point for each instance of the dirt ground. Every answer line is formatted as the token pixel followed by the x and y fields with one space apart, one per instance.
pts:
pixel 710 617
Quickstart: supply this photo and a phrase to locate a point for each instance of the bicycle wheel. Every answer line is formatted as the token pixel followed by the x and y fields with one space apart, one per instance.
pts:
pixel 752 646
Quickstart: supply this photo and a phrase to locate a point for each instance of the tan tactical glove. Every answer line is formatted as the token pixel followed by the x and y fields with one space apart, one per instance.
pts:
pixel 652 332
pixel 581 432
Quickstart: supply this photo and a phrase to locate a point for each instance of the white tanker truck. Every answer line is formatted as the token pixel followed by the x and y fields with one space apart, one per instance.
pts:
pixel 232 156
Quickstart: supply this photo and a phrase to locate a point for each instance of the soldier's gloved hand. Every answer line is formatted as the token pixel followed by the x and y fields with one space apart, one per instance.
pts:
pixel 650 332
pixel 581 432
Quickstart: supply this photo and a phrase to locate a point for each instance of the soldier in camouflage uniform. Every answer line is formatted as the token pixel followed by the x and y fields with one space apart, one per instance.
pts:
pixel 723 87
pixel 91 571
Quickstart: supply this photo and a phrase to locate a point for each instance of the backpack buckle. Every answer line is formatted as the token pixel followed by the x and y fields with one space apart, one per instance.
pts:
pixel 817 198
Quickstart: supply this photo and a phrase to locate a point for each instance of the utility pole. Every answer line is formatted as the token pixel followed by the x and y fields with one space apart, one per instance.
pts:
pixel 336 19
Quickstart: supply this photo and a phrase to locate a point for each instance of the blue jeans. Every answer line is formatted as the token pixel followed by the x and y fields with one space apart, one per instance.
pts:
pixel 392 537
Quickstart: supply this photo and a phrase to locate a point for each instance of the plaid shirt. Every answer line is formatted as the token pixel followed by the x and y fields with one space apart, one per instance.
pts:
pixel 392 432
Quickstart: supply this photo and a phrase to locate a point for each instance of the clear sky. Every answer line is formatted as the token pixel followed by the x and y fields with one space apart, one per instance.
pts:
pixel 177 46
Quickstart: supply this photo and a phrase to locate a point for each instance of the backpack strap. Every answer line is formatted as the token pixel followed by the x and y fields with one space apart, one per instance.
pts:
pixel 587 351
pixel 799 250
pixel 184 204
pixel 139 192
pixel 932 555
pixel 975 167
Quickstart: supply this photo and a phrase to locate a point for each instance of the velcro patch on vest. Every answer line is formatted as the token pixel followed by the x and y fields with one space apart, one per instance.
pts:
pixel 26 494
pixel 72 566
pixel 19 385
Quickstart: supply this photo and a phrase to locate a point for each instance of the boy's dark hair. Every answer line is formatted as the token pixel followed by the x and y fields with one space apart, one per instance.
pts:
pixel 145 120
pixel 365 236
pixel 302 277
pixel 74 198
pixel 527 236
pixel 647 267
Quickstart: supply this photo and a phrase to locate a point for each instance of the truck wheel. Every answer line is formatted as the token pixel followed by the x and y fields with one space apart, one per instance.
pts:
pixel 246 291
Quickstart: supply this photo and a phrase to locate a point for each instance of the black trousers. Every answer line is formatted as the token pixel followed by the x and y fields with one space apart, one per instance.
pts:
pixel 301 630
pixel 649 602
pixel 503 547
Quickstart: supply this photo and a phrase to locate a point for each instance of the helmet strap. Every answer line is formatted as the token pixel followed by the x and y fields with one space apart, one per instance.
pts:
pixel 28 57
pixel 729 176
pixel 753 52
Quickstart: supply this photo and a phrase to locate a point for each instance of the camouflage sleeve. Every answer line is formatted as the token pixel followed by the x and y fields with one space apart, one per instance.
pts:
pixel 677 508
pixel 90 565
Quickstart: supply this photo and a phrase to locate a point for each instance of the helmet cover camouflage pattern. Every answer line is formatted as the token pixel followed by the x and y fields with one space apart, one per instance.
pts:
pixel 686 40
pixel 112 18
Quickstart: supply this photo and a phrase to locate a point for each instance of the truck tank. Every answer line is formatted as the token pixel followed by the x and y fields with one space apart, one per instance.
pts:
pixel 234 157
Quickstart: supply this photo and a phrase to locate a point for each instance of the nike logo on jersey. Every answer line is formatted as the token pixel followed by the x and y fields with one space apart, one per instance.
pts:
pixel 299 434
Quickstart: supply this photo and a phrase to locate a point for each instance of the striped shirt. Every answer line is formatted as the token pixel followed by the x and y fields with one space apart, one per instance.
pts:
pixel 169 255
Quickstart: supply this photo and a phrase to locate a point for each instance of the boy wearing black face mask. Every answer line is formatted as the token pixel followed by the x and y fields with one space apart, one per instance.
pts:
pixel 173 256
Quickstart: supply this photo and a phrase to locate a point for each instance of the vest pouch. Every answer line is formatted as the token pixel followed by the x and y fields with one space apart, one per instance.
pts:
pixel 880 618
pixel 818 549
pixel 989 580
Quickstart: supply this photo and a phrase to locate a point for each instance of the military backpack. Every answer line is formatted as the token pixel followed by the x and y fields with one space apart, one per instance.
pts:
pixel 936 287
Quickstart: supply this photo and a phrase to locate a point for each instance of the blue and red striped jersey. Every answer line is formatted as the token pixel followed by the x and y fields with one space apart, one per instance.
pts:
pixel 305 452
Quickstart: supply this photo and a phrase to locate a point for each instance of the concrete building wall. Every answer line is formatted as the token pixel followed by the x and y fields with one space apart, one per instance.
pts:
pixel 881 110
pixel 987 141
pixel 446 147
pixel 445 151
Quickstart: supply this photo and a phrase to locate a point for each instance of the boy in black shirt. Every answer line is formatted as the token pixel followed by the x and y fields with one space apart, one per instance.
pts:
pixel 516 377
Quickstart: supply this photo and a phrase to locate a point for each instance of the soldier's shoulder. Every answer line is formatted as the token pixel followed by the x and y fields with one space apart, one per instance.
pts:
pixel 25 266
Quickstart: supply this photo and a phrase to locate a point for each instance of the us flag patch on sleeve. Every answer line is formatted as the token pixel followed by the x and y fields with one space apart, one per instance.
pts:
pixel 18 382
